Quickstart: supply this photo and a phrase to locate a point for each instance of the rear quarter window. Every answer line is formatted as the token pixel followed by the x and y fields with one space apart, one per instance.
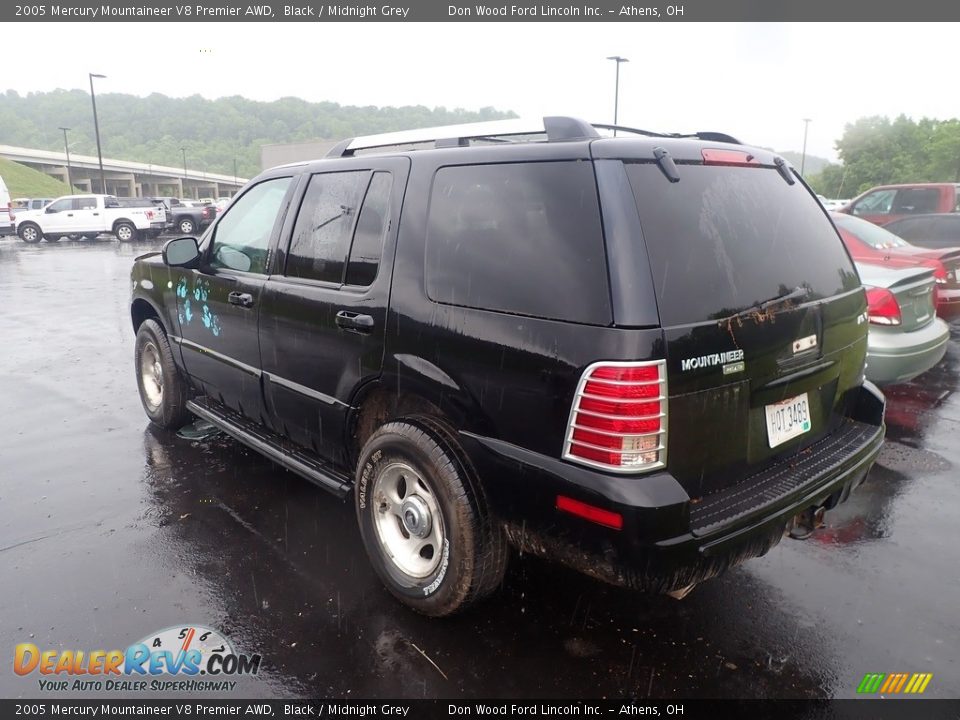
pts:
pixel 724 238
pixel 521 238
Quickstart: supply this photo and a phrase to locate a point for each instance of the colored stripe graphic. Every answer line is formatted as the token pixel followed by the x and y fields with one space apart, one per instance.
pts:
pixel 894 683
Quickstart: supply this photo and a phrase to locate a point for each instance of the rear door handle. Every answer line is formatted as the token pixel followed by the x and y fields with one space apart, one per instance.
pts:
pixel 353 321
pixel 241 299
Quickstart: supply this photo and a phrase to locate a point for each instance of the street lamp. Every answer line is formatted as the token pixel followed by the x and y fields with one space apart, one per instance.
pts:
pixel 66 149
pixel 183 150
pixel 616 91
pixel 96 129
pixel 803 155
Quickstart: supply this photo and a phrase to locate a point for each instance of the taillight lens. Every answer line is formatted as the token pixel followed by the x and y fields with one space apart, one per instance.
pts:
pixel 882 307
pixel 940 274
pixel 618 420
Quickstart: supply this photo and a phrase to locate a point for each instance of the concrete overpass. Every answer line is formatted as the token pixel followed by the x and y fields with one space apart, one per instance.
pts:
pixel 125 178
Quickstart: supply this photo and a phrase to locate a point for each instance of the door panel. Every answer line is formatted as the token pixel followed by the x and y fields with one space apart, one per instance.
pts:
pixel 321 339
pixel 218 304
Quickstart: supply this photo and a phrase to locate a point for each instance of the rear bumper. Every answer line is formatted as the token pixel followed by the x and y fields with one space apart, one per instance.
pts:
pixel 666 542
pixel 894 357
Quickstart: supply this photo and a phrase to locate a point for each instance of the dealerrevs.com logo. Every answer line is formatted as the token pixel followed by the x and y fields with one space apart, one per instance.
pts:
pixel 188 658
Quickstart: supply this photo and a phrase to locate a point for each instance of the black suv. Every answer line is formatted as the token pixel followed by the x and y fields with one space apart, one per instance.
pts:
pixel 639 356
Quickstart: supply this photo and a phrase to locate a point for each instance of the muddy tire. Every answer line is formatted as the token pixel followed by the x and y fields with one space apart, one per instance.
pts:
pixel 424 521
pixel 125 231
pixel 163 390
pixel 30 233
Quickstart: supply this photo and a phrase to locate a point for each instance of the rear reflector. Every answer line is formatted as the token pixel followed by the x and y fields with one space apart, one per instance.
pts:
pixel 618 420
pixel 592 513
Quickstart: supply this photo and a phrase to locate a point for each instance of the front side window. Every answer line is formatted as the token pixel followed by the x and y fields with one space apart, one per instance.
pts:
pixel 242 238
pixel 876 203
pixel 60 205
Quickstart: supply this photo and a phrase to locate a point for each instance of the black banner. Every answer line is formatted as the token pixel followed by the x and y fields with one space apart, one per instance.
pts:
pixel 905 709
pixel 461 11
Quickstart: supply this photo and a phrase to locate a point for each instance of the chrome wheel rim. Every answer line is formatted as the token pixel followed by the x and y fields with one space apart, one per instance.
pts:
pixel 407 520
pixel 151 376
pixel 124 232
pixel 29 234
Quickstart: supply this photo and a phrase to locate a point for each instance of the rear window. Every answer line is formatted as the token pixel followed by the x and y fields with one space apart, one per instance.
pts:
pixel 873 235
pixel 522 238
pixel 724 238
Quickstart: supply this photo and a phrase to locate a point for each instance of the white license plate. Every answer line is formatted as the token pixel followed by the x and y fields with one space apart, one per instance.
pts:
pixel 788 419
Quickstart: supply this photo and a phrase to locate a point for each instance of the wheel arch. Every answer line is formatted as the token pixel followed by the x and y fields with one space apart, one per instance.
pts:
pixel 141 310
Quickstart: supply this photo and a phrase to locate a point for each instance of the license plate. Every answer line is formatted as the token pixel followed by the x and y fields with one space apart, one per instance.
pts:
pixel 788 419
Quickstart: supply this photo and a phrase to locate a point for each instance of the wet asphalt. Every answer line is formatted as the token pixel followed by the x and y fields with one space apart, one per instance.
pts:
pixel 111 530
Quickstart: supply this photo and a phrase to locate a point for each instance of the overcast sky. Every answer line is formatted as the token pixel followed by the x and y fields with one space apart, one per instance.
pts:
pixel 755 81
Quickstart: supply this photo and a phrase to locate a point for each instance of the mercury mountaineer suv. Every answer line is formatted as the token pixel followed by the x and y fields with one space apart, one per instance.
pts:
pixel 641 356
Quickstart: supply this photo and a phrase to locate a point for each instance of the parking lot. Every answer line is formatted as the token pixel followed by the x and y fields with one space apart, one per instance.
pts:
pixel 111 530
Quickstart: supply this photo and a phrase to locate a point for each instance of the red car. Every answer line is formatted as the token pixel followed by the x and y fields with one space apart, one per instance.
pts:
pixel 870 243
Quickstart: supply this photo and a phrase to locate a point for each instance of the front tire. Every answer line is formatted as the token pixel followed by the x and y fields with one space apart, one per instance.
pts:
pixel 424 521
pixel 30 233
pixel 125 232
pixel 163 391
pixel 187 227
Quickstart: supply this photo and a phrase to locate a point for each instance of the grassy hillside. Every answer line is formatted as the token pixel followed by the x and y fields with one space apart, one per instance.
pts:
pixel 25 182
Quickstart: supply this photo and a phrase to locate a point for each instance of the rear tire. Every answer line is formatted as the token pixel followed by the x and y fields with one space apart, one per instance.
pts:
pixel 424 521
pixel 125 232
pixel 163 390
pixel 30 233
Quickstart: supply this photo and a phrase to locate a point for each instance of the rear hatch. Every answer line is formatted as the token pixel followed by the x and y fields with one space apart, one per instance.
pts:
pixel 762 314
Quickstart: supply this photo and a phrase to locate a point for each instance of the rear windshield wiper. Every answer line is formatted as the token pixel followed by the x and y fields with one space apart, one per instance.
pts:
pixel 797 293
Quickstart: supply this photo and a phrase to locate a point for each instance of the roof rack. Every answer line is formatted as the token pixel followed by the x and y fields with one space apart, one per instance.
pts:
pixel 556 128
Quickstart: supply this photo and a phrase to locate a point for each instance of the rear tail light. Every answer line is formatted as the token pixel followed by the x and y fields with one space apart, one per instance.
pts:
pixel 882 307
pixel 940 274
pixel 618 421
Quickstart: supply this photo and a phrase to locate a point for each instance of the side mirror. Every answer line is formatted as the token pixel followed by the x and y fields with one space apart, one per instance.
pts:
pixel 181 252
pixel 51 210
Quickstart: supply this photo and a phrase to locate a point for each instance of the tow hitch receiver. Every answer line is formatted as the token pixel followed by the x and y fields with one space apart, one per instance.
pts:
pixel 802 526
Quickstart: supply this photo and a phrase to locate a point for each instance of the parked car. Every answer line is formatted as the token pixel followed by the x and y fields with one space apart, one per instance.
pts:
pixel 906 336
pixel 30 203
pixel 886 203
pixel 871 243
pixel 478 343
pixel 76 215
pixel 184 219
pixel 7 214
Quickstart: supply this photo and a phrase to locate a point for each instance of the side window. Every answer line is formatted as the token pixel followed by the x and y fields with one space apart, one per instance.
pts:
pixel 911 228
pixel 916 201
pixel 876 203
pixel 61 205
pixel 522 238
pixel 372 227
pixel 321 236
pixel 946 228
pixel 242 237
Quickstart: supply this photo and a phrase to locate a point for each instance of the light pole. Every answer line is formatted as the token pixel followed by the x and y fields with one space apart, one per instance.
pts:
pixel 803 155
pixel 66 149
pixel 96 129
pixel 616 90
pixel 183 150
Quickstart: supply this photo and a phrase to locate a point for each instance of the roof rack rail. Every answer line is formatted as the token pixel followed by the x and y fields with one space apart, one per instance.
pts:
pixel 557 129
pixel 711 136
pixel 635 131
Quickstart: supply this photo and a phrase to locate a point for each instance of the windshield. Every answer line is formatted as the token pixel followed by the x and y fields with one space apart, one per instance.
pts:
pixel 865 231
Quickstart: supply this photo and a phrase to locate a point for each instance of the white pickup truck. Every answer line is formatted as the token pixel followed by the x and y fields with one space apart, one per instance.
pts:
pixel 79 215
